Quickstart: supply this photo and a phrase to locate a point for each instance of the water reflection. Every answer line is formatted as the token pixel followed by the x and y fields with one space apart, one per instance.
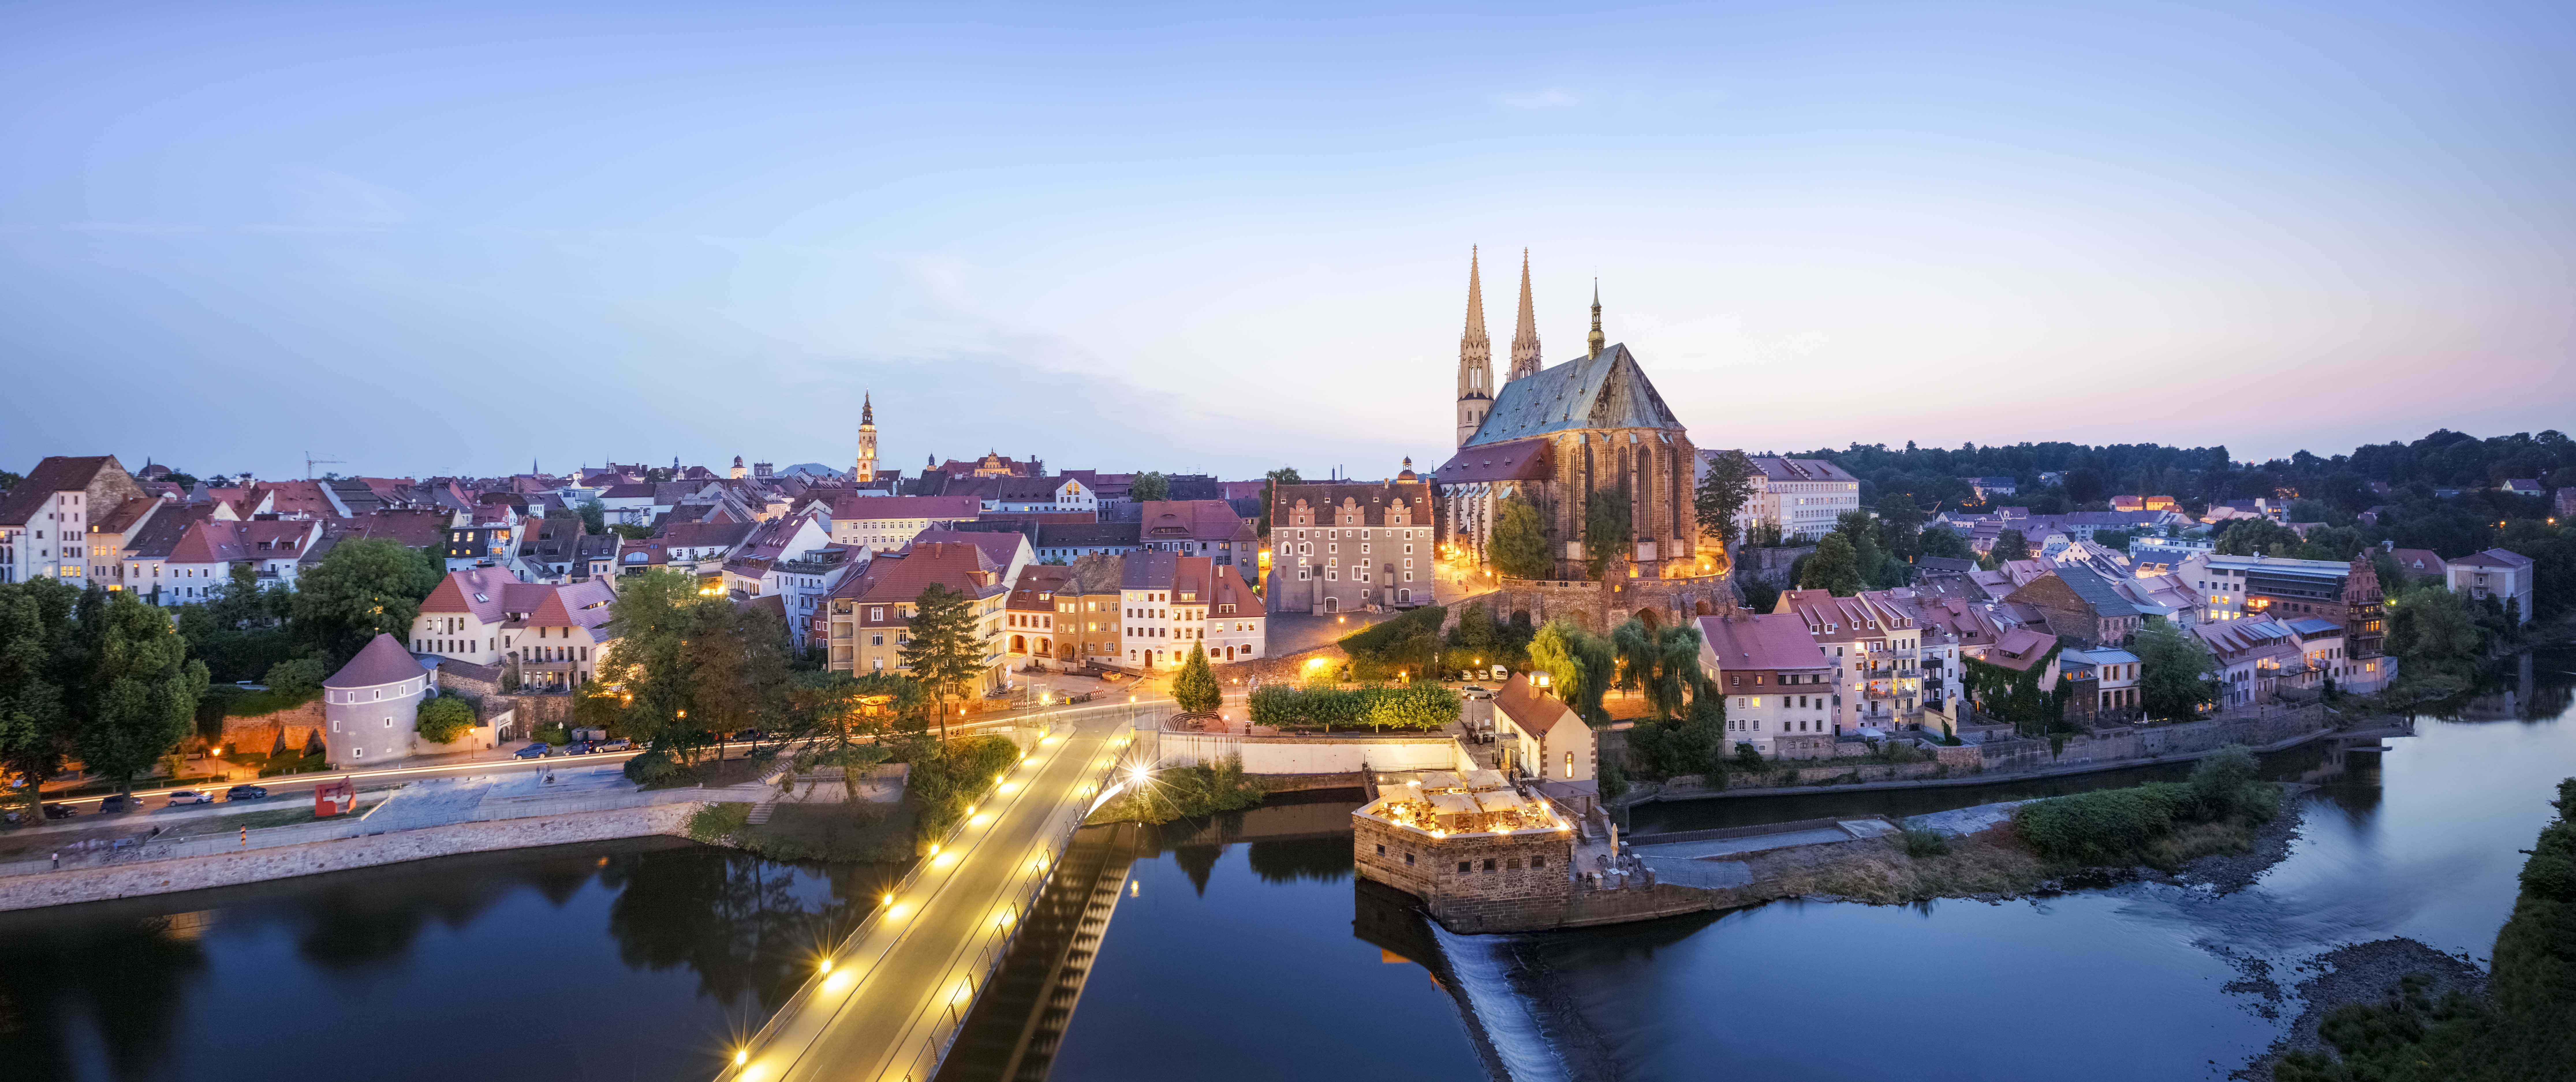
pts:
pixel 680 944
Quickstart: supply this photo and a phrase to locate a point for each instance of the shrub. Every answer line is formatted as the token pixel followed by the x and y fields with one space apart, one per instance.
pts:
pixel 715 823
pixel 298 677
pixel 2109 827
pixel 1925 843
pixel 2224 783
pixel 443 719
pixel 1418 706
pixel 651 767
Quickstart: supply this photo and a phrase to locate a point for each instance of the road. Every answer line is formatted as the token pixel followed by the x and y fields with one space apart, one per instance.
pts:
pixel 897 987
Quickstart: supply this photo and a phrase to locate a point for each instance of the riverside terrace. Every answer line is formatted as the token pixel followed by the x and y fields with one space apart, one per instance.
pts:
pixel 1468 841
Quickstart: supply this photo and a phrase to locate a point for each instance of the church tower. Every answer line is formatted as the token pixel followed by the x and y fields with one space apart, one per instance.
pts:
pixel 1475 360
pixel 867 466
pixel 1525 355
pixel 1594 341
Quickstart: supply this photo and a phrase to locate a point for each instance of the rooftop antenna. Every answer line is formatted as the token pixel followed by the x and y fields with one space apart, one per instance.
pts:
pixel 310 462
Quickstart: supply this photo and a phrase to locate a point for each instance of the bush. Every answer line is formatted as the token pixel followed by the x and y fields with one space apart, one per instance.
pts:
pixel 1417 706
pixel 2106 828
pixel 443 719
pixel 1186 792
pixel 651 767
pixel 298 677
pixel 1925 843
pixel 715 823
pixel 2225 783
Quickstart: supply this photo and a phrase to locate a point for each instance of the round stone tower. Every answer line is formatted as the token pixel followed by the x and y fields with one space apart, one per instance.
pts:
pixel 371 705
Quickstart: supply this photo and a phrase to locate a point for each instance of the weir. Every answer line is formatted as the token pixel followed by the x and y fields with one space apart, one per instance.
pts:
pixel 888 1003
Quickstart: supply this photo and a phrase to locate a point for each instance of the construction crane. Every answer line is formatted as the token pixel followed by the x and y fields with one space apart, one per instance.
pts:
pixel 310 462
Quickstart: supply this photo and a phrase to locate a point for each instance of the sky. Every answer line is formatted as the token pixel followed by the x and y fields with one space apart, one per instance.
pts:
pixel 462 238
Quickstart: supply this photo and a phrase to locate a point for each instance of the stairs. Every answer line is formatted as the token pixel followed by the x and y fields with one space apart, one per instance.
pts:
pixel 761 812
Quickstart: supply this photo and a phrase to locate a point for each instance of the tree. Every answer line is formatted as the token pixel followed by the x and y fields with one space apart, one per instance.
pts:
pixel 2257 537
pixel 10 480
pixel 1833 567
pixel 443 719
pixel 2084 484
pixel 1520 541
pixel 300 677
pixel 1662 661
pixel 1942 541
pixel 1195 687
pixel 1900 525
pixel 2176 674
pixel 1608 531
pixel 1721 495
pixel 1579 665
pixel 364 586
pixel 630 532
pixel 1284 475
pixel 135 693
pixel 34 728
pixel 2009 545
pixel 945 652
pixel 1150 485
pixel 594 516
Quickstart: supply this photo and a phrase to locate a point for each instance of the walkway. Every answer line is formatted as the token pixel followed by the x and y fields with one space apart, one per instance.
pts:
pixel 886 1004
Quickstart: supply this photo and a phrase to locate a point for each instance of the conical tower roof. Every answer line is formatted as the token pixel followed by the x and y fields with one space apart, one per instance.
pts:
pixel 1525 351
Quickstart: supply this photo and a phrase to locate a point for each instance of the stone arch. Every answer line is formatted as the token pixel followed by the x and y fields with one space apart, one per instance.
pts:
pixel 1701 608
pixel 1649 617
pixel 1019 644
pixel 1332 603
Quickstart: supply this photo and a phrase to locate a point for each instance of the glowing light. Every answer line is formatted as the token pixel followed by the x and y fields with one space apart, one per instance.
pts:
pixel 980 820
pixel 1050 740
pixel 934 849
pixel 740 1056
pixel 886 899
pixel 827 965
pixel 837 982
pixel 943 860
pixel 1010 787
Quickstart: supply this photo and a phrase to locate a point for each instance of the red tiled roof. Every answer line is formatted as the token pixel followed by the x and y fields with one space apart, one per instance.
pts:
pixel 999 547
pixel 1771 642
pixel 1535 713
pixel 2019 649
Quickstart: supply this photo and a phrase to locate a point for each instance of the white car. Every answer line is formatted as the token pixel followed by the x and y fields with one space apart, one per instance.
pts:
pixel 186 796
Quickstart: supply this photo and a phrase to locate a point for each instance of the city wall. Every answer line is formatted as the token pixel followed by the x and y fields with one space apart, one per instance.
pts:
pixel 1601 606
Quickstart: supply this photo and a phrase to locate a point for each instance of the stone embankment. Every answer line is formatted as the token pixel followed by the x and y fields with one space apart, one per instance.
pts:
pixel 72 886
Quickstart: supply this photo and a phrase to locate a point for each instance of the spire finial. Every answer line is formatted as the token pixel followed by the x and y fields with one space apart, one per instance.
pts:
pixel 1475 355
pixel 1525 351
pixel 1475 298
pixel 867 408
pixel 1595 340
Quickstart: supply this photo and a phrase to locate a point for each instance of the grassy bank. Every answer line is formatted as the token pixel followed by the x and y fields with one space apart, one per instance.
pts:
pixel 1184 793
pixel 2524 1028
pixel 2159 824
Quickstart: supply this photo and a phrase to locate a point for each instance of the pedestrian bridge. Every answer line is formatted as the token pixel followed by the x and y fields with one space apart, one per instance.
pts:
pixel 887 1003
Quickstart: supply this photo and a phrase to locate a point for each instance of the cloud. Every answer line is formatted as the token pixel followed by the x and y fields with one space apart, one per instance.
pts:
pixel 1543 100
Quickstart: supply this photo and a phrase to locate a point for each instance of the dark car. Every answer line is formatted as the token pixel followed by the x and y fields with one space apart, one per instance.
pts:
pixel 752 736
pixel 538 750
pixel 577 747
pixel 60 811
pixel 246 792
pixel 120 803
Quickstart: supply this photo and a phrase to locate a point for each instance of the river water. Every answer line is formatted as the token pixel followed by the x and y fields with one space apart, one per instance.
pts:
pixel 1242 948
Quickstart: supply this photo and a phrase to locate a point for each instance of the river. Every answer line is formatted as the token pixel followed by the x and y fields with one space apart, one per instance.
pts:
pixel 1243 949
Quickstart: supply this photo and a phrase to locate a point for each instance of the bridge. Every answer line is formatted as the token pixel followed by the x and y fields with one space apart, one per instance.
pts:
pixel 889 1001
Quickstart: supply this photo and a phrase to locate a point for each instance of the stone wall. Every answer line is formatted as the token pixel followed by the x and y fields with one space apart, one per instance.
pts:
pixel 1600 606
pixel 258 733
pixel 1322 754
pixel 1521 867
pixel 284 862
pixel 2271 727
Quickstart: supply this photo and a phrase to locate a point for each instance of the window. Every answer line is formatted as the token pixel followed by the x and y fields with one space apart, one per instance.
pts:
pixel 1381 850
pixel 357 753
pixel 1538 862
pixel 1466 866
pixel 1489 864
pixel 1408 860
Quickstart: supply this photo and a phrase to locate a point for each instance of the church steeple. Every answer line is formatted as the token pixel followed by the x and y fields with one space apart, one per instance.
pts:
pixel 866 467
pixel 1475 359
pixel 1595 339
pixel 1525 352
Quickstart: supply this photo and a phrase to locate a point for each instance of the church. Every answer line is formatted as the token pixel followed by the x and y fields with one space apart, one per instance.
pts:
pixel 1554 436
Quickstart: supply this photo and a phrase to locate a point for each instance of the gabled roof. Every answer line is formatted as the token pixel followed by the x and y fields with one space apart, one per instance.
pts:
pixel 1035 592
pixel 579 604
pixel 2019 649
pixel 902 576
pixel 1510 460
pixel 1607 390
pixel 1193 520
pixel 1150 571
pixel 1535 713
pixel 2418 561
pixel 54 473
pixel 2494 558
pixel 1000 549
pixel 870 508
pixel 160 536
pixel 300 498
pixel 410 527
pixel 1773 641
pixel 382 661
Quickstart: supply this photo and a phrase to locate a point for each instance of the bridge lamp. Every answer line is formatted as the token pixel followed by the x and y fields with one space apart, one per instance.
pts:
pixel 741 1056
pixel 827 965
pixel 886 899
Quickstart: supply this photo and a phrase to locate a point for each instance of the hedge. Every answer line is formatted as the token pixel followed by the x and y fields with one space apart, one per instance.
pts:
pixel 1415 706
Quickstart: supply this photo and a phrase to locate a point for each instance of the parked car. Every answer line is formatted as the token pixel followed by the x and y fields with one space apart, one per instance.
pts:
pixel 619 744
pixel 577 747
pixel 120 803
pixel 751 736
pixel 187 796
pixel 246 792
pixel 60 811
pixel 538 750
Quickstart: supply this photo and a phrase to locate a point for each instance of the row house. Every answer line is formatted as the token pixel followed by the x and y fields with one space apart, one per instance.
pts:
pixel 866 621
pixel 2078 604
pixel 2494 573
pixel 1026 494
pixel 202 562
pixel 146 555
pixel 1008 551
pixel 1863 643
pixel 2101 685
pixel 489 536
pixel 695 549
pixel 887 523
pixel 1350 546
pixel 792 559
pixel 2250 655
pixel 1088 607
pixel 2240 587
pixel 2323 645
pixel 1171 604
pixel 301 499
pixel 1208 528
pixel 1955 630
pixel 1802 497
pixel 109 533
pixel 44 521
pixel 556 636
pixel 2026 650
pixel 1779 682
pixel 1032 618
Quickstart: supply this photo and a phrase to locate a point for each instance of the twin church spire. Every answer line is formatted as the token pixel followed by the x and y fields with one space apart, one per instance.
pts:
pixel 1476 352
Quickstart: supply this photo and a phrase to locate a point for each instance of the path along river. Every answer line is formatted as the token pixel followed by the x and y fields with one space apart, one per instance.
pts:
pixel 1241 949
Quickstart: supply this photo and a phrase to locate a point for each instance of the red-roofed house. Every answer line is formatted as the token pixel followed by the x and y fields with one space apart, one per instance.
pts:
pixel 1777 680
pixel 44 521
pixel 2494 573
pixel 1029 617
pixel 301 499
pixel 1207 528
pixel 204 558
pixel 866 620
pixel 1539 735
pixel 887 523
pixel 557 635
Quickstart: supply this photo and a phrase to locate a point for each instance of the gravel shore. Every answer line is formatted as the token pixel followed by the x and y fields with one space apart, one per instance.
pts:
pixel 2231 872
pixel 2361 973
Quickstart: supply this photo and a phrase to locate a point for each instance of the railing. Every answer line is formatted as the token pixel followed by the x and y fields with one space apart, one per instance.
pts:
pixel 949 1013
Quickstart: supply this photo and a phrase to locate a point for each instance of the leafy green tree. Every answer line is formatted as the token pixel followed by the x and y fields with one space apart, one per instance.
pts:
pixel 651 622
pixel 443 719
pixel 1722 494
pixel 1194 687
pixel 1608 532
pixel 2257 537
pixel 629 531
pixel 10 480
pixel 1833 567
pixel 1520 541
pixel 1942 541
pixel 297 677
pixel 737 663
pixel 2176 673
pixel 1899 526
pixel 945 653
pixel 362 587
pixel 1662 661
pixel 2431 625
pixel 136 690
pixel 594 516
pixel 1284 475
pixel 2009 545
pixel 34 727
pixel 1150 485
pixel 1579 665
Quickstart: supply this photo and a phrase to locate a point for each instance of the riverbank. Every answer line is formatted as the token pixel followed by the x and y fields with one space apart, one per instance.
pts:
pixel 77 885
pixel 2362 973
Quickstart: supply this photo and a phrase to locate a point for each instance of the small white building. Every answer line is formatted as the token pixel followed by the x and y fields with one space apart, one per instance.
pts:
pixel 1539 735
pixel 2505 576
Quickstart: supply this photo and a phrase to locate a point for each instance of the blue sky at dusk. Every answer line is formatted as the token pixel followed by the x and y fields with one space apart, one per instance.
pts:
pixel 1224 238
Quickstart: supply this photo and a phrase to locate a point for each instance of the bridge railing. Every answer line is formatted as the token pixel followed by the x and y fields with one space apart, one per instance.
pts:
pixel 967 979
